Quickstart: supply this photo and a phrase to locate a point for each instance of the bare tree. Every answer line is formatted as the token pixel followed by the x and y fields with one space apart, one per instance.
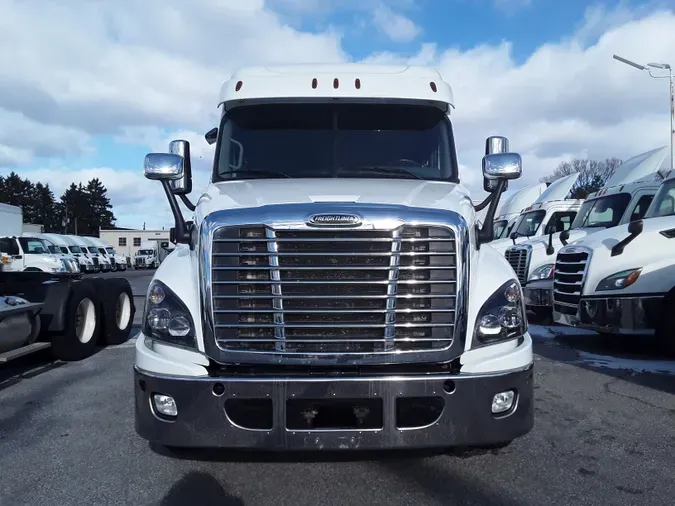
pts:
pixel 592 174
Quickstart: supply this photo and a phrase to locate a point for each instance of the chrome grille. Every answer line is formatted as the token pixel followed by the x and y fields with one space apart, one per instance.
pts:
pixel 519 258
pixel 333 291
pixel 568 280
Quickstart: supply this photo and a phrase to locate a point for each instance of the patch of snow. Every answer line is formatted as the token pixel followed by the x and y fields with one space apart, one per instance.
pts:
pixel 635 365
pixel 553 331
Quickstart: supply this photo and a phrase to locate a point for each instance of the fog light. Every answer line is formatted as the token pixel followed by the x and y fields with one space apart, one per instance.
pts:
pixel 503 401
pixel 165 405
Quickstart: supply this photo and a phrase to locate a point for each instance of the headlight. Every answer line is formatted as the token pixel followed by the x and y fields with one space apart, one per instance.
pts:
pixel 502 317
pixel 543 272
pixel 166 318
pixel 619 280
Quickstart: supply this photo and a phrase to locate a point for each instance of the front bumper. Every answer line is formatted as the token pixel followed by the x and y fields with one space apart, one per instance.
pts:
pixel 204 421
pixel 616 315
pixel 538 294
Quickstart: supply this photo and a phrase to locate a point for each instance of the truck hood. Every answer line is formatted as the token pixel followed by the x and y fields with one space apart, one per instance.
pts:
pixel 541 242
pixel 263 192
pixel 501 245
pixel 649 250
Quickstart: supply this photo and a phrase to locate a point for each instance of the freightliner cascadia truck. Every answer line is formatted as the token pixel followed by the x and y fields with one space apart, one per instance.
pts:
pixel 333 289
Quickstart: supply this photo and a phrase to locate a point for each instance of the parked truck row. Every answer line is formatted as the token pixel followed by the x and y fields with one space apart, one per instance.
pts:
pixel 609 266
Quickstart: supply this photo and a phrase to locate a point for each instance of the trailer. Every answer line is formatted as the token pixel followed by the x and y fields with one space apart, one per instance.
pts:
pixel 40 310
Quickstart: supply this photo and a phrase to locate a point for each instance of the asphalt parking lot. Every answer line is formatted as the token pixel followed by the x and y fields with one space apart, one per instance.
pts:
pixel 604 434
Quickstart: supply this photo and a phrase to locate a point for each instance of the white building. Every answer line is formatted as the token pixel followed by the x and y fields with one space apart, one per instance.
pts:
pixel 128 241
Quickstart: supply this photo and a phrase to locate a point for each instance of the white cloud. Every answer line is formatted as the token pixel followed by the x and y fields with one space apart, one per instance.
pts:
pixel 395 26
pixel 148 72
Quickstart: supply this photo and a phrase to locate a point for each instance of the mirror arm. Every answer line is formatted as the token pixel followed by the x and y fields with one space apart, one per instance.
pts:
pixel 182 233
pixel 187 202
pixel 484 204
pixel 486 233
pixel 549 248
pixel 618 248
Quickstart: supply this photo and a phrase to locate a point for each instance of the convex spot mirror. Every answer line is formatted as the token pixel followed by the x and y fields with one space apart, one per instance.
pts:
pixel 183 185
pixel 163 167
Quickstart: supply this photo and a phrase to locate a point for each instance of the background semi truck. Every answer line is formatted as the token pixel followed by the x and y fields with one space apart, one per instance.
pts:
pixel 508 213
pixel 333 291
pixel 625 197
pixel 621 280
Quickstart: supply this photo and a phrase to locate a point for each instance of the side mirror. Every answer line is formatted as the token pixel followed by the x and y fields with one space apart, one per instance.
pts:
pixel 182 186
pixel 163 166
pixel 549 247
pixel 564 236
pixel 211 136
pixel 502 166
pixel 513 236
pixel 635 227
pixel 495 144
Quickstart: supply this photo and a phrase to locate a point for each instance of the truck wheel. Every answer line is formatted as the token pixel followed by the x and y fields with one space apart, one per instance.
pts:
pixel 117 309
pixel 78 341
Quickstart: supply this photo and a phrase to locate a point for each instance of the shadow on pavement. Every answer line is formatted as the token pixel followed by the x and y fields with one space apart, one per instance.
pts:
pixel 635 359
pixel 199 489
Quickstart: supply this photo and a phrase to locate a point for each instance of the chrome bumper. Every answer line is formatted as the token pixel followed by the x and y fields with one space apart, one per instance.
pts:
pixel 281 407
pixel 615 315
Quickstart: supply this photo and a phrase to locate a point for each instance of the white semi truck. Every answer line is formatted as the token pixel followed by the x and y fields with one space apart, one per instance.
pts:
pixel 621 280
pixel 624 198
pixel 513 206
pixel 333 291
pixel 148 256
pixel 86 264
pixel 551 211
pixel 97 253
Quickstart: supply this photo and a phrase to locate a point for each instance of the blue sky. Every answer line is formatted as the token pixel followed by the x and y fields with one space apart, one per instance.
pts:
pixel 122 77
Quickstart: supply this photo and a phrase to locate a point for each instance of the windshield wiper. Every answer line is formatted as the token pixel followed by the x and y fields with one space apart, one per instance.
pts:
pixel 382 170
pixel 261 172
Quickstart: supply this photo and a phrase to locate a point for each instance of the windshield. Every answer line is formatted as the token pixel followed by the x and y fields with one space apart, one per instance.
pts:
pixel 53 249
pixel 102 251
pixel 145 252
pixel 500 228
pixel 529 223
pixel 75 249
pixel 32 246
pixel 110 251
pixel 64 250
pixel 602 212
pixel 335 140
pixel 664 201
pixel 92 250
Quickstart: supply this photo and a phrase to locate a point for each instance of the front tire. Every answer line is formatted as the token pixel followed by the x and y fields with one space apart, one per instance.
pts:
pixel 78 340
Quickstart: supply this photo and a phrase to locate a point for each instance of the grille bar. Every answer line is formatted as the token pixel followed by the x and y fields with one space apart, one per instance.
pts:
pixel 568 280
pixel 333 291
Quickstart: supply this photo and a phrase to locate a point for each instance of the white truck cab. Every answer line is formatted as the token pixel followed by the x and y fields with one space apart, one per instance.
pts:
pixel 117 261
pixel 86 264
pixel 508 213
pixel 625 197
pixel 333 291
pixel 29 253
pixel 97 252
pixel 621 280
pixel 148 256
pixel 551 211
pixel 69 261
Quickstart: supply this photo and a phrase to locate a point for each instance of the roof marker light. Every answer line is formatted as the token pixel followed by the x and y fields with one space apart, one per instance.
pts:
pixel 336 83
pixel 315 83
pixel 357 83
pixel 433 86
pixel 239 85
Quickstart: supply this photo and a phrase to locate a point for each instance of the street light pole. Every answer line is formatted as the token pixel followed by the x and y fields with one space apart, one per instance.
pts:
pixel 671 91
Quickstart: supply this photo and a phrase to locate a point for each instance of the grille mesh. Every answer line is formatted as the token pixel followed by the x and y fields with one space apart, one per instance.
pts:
pixel 339 291
pixel 519 258
pixel 568 280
